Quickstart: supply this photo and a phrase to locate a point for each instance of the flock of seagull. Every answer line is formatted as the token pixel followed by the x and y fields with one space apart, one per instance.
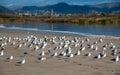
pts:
pixel 62 44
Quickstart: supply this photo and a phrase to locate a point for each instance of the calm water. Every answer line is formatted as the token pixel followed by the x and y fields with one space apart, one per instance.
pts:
pixel 81 29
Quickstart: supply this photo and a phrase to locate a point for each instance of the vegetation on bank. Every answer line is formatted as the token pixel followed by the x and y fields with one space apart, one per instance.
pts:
pixel 86 20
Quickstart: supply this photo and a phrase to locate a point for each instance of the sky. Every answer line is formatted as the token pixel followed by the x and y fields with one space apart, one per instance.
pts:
pixel 9 3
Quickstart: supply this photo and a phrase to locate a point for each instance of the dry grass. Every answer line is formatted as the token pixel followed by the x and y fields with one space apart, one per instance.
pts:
pixel 99 20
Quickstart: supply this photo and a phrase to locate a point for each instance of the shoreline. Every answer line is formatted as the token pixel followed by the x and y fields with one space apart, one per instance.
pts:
pixel 55 32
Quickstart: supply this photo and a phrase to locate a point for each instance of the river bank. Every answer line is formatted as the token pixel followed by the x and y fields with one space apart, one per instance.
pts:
pixel 98 20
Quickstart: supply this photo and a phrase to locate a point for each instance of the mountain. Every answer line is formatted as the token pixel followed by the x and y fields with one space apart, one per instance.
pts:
pixel 5 10
pixel 108 5
pixel 63 8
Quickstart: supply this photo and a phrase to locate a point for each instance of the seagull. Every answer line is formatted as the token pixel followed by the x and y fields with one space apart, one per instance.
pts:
pixel 54 42
pixel 68 51
pixel 63 53
pixel 82 41
pixel 113 47
pixel 77 53
pixel 20 45
pixel 117 58
pixel 1 45
pixel 3 48
pixel 96 48
pixel 22 62
pixel 10 58
pixel 31 45
pixel 13 43
pixel 91 46
pixel 42 53
pixel 49 50
pixel 71 55
pixel 114 52
pixel 100 40
pixel 98 56
pixel 82 49
pixel 88 54
pixel 87 39
pixel 25 53
pixel 60 47
pixel 104 55
pixel 1 53
pixel 36 48
pixel 44 44
pixel 65 45
pixel 95 42
pixel 42 58
pixel 54 54
pixel 104 48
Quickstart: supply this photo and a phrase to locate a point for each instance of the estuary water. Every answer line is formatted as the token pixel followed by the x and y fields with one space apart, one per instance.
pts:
pixel 88 30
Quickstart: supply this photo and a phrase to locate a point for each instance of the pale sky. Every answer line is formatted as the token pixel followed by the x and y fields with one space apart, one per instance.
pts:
pixel 50 2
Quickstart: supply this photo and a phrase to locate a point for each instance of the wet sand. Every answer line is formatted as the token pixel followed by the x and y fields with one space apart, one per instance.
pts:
pixel 60 65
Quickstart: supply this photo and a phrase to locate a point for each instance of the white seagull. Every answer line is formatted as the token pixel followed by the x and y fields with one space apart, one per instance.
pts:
pixel 117 58
pixel 10 58
pixel 1 53
pixel 22 62
pixel 42 58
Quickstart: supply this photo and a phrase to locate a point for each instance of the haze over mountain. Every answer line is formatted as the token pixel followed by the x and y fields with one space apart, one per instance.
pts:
pixel 64 8
pixel 5 10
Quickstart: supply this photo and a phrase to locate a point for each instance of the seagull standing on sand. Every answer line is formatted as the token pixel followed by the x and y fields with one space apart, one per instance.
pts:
pixel 70 55
pixel 87 39
pixel 98 56
pixel 114 52
pixel 95 42
pixel 42 58
pixel 104 48
pixel 54 54
pixel 63 53
pixel 88 54
pixel 10 58
pixel 96 48
pixel 77 53
pixel 1 53
pixel 82 41
pixel 36 48
pixel 104 55
pixel 100 40
pixel 91 46
pixel 13 43
pixel 20 45
pixel 82 49
pixel 22 62
pixel 42 53
pixel 112 46
pixel 68 51
pixel 44 44
pixel 117 58
pixel 49 50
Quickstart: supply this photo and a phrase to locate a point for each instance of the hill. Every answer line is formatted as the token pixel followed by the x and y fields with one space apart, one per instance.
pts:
pixel 63 8
pixel 5 10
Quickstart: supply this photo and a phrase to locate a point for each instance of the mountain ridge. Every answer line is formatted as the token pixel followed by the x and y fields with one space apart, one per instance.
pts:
pixel 4 10
pixel 64 8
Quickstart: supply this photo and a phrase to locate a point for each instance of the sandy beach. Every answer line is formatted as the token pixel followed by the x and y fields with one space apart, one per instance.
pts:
pixel 84 64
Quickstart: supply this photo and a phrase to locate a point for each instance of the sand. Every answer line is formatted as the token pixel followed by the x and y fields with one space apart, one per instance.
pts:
pixel 60 65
